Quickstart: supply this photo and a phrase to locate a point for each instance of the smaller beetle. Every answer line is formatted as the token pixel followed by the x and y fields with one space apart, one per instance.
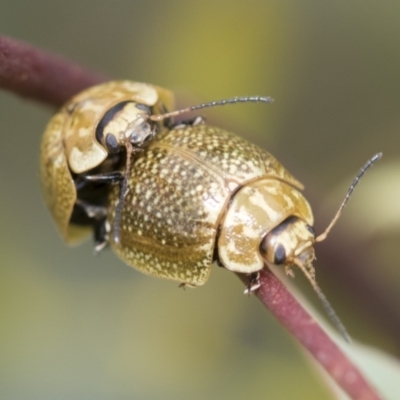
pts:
pixel 82 149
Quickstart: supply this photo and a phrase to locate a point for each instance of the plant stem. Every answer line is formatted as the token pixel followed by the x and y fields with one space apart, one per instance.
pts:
pixel 41 76
pixel 291 314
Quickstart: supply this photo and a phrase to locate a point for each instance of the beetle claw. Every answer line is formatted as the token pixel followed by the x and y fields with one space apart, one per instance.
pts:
pixel 101 230
pixel 96 212
pixel 99 247
pixel 253 284
pixel 185 285
pixel 199 120
pixel 289 271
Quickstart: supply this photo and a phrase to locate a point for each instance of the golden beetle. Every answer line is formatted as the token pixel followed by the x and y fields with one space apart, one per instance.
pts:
pixel 172 199
pixel 75 144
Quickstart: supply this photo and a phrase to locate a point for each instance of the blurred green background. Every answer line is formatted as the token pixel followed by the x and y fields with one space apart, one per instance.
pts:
pixel 73 326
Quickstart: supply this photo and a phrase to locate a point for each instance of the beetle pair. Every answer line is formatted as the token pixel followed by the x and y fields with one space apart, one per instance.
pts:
pixel 171 200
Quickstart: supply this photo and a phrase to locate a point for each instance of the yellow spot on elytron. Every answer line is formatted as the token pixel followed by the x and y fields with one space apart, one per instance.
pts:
pixel 289 201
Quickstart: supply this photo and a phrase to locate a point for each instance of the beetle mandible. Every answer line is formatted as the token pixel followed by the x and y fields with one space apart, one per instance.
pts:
pixel 192 195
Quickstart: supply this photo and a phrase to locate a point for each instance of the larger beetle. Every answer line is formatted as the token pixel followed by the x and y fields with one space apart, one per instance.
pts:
pixel 199 193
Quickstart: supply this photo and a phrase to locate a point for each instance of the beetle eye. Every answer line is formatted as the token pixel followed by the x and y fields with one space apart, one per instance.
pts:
pixel 144 108
pixel 310 229
pixel 141 134
pixel 280 255
pixel 112 144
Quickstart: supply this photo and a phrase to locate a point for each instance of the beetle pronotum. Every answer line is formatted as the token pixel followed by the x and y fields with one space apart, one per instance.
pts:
pixel 172 199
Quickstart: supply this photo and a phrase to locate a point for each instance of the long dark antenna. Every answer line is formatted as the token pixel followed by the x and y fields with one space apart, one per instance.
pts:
pixel 328 308
pixel 353 185
pixel 233 100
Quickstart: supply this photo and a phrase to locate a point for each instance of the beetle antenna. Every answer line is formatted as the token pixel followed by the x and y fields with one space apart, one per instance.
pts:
pixel 362 171
pixel 123 192
pixel 233 100
pixel 328 308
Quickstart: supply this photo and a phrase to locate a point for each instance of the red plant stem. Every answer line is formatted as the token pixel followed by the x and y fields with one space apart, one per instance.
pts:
pixel 45 77
pixel 291 314
pixel 41 76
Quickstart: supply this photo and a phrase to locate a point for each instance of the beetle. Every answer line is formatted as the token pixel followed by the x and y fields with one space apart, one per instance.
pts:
pixel 82 148
pixel 184 193
pixel 173 199
pixel 199 194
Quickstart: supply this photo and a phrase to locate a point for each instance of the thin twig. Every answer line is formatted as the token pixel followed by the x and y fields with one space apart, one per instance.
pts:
pixel 291 314
pixel 41 76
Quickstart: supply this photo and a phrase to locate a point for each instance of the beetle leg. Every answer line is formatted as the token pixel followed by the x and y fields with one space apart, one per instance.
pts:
pixel 109 177
pixel 289 271
pixel 199 120
pixel 95 212
pixel 253 284
pixel 101 229
pixel 185 285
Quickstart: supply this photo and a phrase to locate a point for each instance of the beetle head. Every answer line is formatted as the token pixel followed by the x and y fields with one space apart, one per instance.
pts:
pixel 126 121
pixel 290 243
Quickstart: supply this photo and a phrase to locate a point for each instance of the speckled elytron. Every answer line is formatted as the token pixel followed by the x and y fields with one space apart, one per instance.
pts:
pixel 198 193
